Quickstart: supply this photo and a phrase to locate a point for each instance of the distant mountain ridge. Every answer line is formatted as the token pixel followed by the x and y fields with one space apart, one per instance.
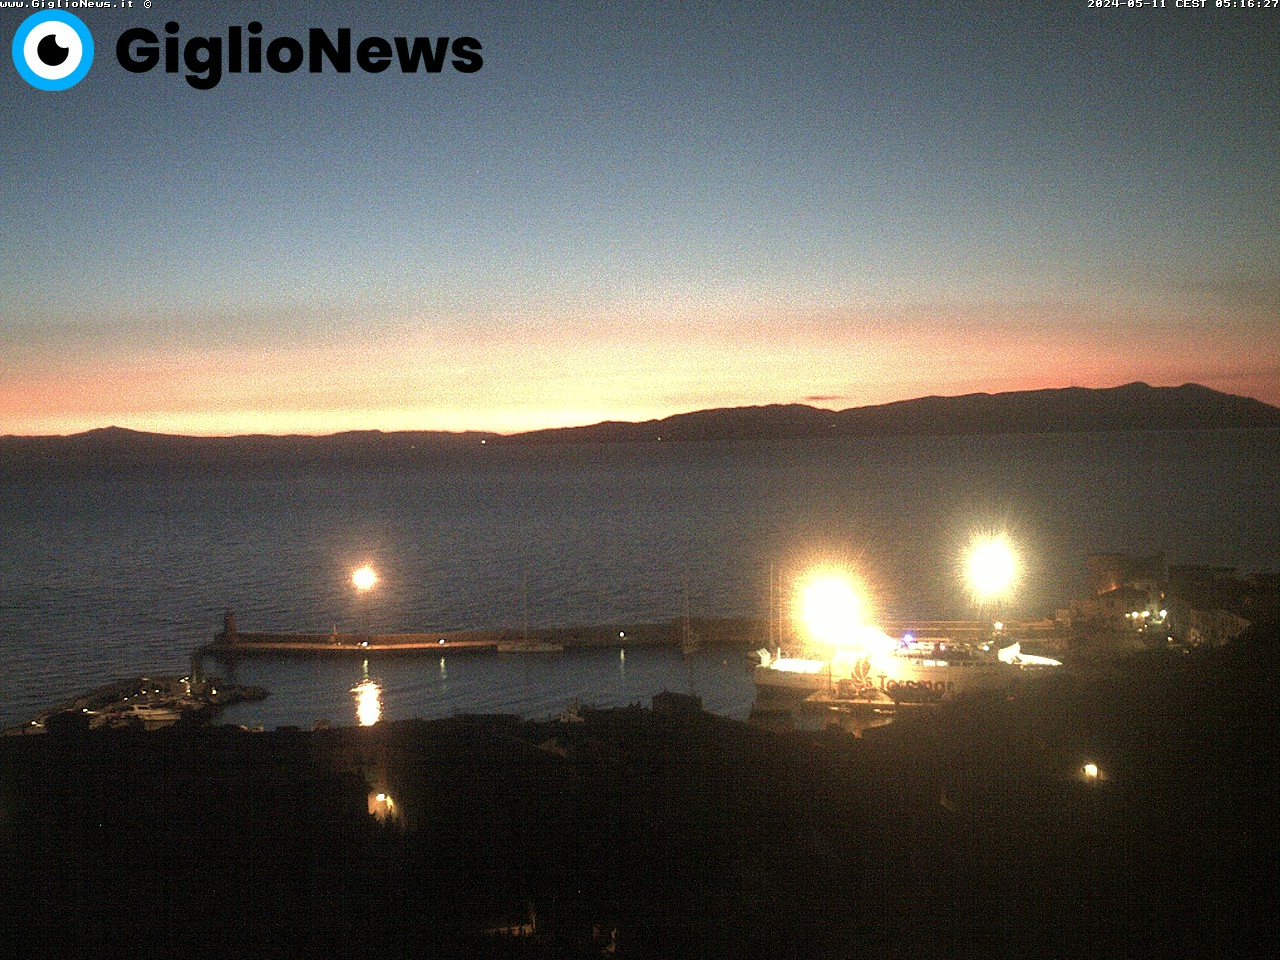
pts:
pixel 1134 406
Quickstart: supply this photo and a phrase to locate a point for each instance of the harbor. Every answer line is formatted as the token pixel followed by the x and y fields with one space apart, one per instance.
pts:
pixel 820 658
pixel 915 763
pixel 532 672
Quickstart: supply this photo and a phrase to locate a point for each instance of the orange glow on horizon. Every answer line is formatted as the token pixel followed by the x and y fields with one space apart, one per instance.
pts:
pixel 22 421
pixel 629 364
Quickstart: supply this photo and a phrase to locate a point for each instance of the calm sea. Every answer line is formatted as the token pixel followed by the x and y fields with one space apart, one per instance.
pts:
pixel 107 575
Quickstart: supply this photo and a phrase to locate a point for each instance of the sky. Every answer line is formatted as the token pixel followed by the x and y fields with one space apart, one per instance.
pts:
pixel 633 210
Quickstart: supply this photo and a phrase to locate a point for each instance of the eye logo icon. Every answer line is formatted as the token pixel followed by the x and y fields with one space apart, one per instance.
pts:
pixel 52 50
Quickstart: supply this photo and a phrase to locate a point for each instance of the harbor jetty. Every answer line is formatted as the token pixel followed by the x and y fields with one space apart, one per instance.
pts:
pixel 745 633
pixel 146 703
pixel 230 641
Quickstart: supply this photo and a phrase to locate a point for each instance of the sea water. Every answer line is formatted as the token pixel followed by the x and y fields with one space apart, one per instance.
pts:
pixel 109 574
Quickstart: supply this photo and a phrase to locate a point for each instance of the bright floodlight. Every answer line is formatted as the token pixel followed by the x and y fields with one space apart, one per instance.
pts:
pixel 991 567
pixel 364 578
pixel 1091 771
pixel 831 608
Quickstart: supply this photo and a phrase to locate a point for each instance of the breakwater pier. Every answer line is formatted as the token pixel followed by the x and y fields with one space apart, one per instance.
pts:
pixel 231 641
pixel 745 633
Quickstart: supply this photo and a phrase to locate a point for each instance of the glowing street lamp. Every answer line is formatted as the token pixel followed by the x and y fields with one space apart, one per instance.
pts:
pixel 831 607
pixel 991 567
pixel 364 578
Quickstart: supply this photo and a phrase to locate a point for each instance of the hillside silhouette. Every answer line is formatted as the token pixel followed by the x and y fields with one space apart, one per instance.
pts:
pixel 1135 406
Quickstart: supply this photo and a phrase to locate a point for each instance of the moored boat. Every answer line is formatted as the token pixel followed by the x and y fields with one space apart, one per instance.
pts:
pixel 906 671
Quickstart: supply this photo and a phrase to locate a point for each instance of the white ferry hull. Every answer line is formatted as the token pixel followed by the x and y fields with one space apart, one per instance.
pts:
pixel 931 672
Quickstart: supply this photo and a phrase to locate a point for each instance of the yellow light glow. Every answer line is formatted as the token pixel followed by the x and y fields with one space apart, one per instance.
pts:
pixel 368 696
pixel 364 578
pixel 991 567
pixel 831 607
pixel 382 806
pixel 1091 771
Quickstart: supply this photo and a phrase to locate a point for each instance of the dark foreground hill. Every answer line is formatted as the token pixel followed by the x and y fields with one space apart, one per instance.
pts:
pixel 965 833
pixel 1135 406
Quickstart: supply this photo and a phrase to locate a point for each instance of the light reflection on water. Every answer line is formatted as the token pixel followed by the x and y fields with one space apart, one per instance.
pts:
pixel 368 697
pixel 305 691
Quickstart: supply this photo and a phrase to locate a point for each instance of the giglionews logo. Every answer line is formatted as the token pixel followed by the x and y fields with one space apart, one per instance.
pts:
pixel 53 50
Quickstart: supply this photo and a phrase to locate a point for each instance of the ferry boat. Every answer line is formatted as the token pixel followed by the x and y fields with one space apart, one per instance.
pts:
pixel 906 671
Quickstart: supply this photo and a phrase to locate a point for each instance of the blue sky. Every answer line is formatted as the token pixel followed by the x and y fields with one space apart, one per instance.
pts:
pixel 637 209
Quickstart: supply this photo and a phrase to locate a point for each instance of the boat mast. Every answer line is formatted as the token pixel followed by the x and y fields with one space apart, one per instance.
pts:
pixel 772 644
pixel 524 601
pixel 688 631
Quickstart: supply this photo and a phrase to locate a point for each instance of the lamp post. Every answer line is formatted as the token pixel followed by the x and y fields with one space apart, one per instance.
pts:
pixel 364 578
pixel 831 607
pixel 991 569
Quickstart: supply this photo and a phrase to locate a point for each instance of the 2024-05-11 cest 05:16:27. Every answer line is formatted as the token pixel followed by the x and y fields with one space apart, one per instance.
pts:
pixel 1182 4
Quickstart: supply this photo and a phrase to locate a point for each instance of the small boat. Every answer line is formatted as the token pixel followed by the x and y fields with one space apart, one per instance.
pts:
pixel 527 644
pixel 773 671
pixel 689 640
pixel 152 716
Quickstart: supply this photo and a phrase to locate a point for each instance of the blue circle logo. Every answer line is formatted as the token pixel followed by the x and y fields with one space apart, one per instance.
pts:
pixel 52 50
